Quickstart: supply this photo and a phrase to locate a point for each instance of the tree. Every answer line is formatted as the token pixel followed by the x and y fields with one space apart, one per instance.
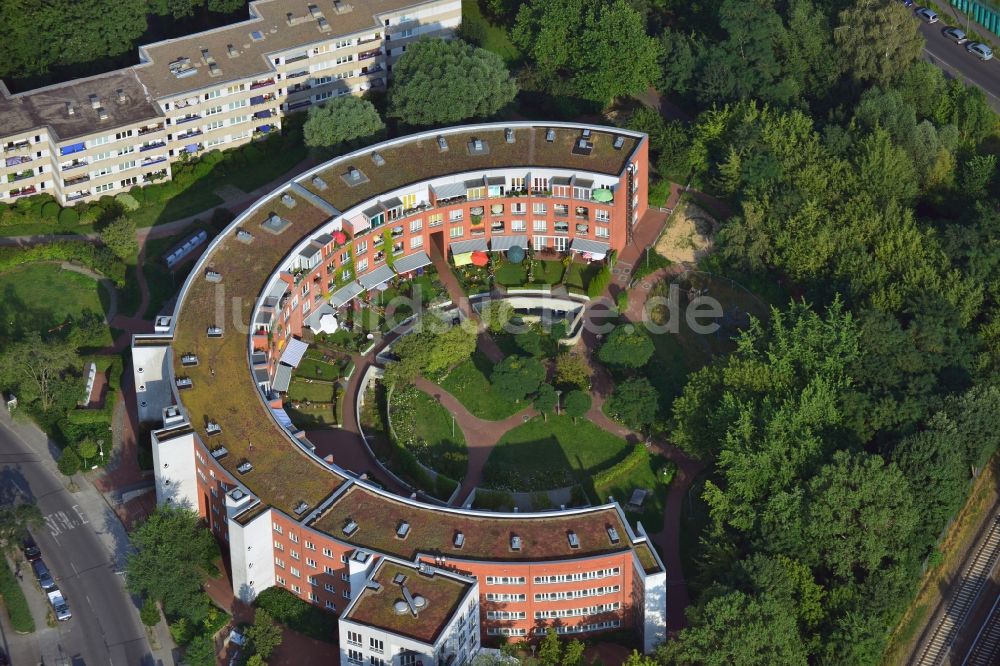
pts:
pixel 439 82
pixel 173 554
pixel 546 399
pixel 572 371
pixel 69 461
pixel 256 660
pixel 450 348
pixel 517 377
pixel 634 402
pixel 36 368
pixel 15 520
pixel 877 41
pixel 627 346
pixel 573 653
pixel 977 173
pixel 550 649
pixel 119 237
pixel 577 404
pixel 149 613
pixel 264 635
pixel 860 513
pixel 496 315
pixel 346 121
pixel 739 629
pixel 87 449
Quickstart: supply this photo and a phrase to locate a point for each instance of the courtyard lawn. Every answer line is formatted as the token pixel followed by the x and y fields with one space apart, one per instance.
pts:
pixel 313 417
pixel 301 390
pixel 621 481
pixel 41 296
pixel 427 429
pixel 511 275
pixel 578 275
pixel 469 383
pixel 553 453
pixel 548 271
pixel 311 368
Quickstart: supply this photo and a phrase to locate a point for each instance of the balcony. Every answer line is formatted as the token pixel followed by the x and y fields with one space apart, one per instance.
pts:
pixel 379 257
pixel 497 227
pixel 153 160
pixel 560 210
pixel 14 177
pixel 297 75
pixel 150 129
pixel 262 99
pixel 369 40
pixel 187 119
pixel 478 232
pixel 74 165
pixel 151 146
pixel 582 213
pixel 261 84
pixel 373 69
pixel 368 55
pixel 298 58
pixel 17 147
pixel 183 137
pixel 23 192
pixel 562 228
pixel 583 228
pixel 14 161
pixel 76 181
pixel 78 195
pixel 299 87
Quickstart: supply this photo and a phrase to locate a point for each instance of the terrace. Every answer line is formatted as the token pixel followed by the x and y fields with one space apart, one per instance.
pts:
pixel 377 608
pixel 282 476
pixel 485 538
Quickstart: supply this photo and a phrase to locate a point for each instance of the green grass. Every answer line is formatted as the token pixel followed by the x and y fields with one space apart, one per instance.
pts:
pixel 641 473
pixel 14 601
pixel 548 271
pixel 579 275
pixel 511 275
pixel 41 296
pixel 470 384
pixel 313 417
pixel 478 30
pixel 553 453
pixel 429 432
pixel 659 192
pixel 311 368
pixel 300 391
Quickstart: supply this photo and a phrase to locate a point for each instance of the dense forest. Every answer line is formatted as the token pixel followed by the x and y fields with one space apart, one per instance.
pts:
pixel 87 37
pixel 842 434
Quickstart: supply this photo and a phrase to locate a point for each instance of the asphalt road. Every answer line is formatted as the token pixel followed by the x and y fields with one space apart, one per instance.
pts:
pixel 105 627
pixel 956 61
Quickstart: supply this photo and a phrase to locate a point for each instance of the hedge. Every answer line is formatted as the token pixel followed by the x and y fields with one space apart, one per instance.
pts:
pixel 298 615
pixel 493 500
pixel 600 282
pixel 13 599
pixel 99 259
pixel 623 468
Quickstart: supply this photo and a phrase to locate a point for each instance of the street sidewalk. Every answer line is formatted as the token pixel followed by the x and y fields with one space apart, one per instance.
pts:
pixel 102 517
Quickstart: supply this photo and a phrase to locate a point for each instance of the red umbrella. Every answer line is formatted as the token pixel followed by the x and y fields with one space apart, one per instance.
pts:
pixel 339 237
pixel 480 258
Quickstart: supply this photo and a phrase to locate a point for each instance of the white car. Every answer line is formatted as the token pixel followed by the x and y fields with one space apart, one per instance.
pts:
pixel 955 35
pixel 979 50
pixel 59 605
pixel 927 15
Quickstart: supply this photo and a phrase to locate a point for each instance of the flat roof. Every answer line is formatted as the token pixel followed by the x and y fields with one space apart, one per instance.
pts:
pixel 487 536
pixel 47 107
pixel 282 476
pixel 251 58
pixel 418 160
pixel 377 608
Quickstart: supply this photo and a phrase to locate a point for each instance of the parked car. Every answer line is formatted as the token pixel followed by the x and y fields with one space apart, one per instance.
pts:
pixel 59 605
pixel 927 15
pixel 30 549
pixel 980 50
pixel 908 3
pixel 955 35
pixel 43 574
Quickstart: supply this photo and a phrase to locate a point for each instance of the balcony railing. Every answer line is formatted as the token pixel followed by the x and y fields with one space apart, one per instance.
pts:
pixel 14 177
pixel 76 181
pixel 187 119
pixel 78 195
pixel 261 84
pixel 262 99
pixel 297 58
pixel 299 74
pixel 478 232
pixel 20 145
pixel 150 130
pixel 374 69
pixel 23 192
pixel 154 176
pixel 153 160
pixel 151 146
pixel 73 165
pixel 367 55
pixel 182 137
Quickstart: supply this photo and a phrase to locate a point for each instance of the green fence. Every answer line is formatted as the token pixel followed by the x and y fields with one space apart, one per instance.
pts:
pixel 984 14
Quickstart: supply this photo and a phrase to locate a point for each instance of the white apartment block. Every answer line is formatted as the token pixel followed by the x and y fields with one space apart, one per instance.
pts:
pixel 217 89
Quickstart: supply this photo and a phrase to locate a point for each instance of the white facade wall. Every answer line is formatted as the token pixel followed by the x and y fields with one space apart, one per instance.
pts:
pixel 175 470
pixel 251 552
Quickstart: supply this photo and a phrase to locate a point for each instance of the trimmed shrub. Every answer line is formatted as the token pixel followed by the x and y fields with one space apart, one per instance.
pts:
pixel 68 216
pixel 297 615
pixel 127 201
pixel 600 282
pixel 493 500
pixel 50 211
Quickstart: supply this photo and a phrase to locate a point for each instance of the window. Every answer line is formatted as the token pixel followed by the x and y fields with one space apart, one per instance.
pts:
pixel 239 87
pixel 278 562
pixel 354 657
pixel 416 225
pixel 517 225
pixel 562 227
pixel 375 645
pixel 474 193
pixel 125 150
pixel 581 193
pixel 540 225
pixel 295 572
pixel 519 208
pixel 310 545
pixel 313 597
pixel 344 58
pixel 505 580
pixel 539 184
pixel 345 594
pixel 538 242
pixel 103 171
pixel 456 215
pixel 105 155
pixel 327 552
pixel 435 220
pixel 100 141
pixel 560 191
pixel 409 201
pixel 506 615
pixel 329 587
pixel 280 580
pixel 237 120
pixel 602 215
pixel 416 241
pixel 362 265
pixel 311 562
pixel 538 208
pixel 602 232
pixel 277 544
pixel 507 598
pixel 124 135
pixel 361 247
pixel 329 570
pixel 376 661
pixel 277 527
pixel 354 638
pixel 295 554
pixel 105 187
pixel 213 94
pixel 343 558
pixel 561 209
pixel 238 104
pixel 456 232
pixel 293 537
pixel 342 44
pixel 213 110
pixel 125 166
pixel 311 580
pixel 214 125
pixel 585 575
pixel 330 605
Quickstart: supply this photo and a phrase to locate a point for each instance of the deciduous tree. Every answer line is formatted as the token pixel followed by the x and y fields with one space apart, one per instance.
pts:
pixel 634 402
pixel 517 377
pixel 627 346
pixel 877 41
pixel 264 634
pixel 577 404
pixel 119 237
pixel 343 122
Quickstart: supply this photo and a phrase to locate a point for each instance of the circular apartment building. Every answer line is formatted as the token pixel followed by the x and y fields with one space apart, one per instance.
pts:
pixel 412 581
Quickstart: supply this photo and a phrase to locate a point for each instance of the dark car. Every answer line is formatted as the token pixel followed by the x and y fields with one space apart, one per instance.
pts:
pixel 4 661
pixel 30 549
pixel 43 574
